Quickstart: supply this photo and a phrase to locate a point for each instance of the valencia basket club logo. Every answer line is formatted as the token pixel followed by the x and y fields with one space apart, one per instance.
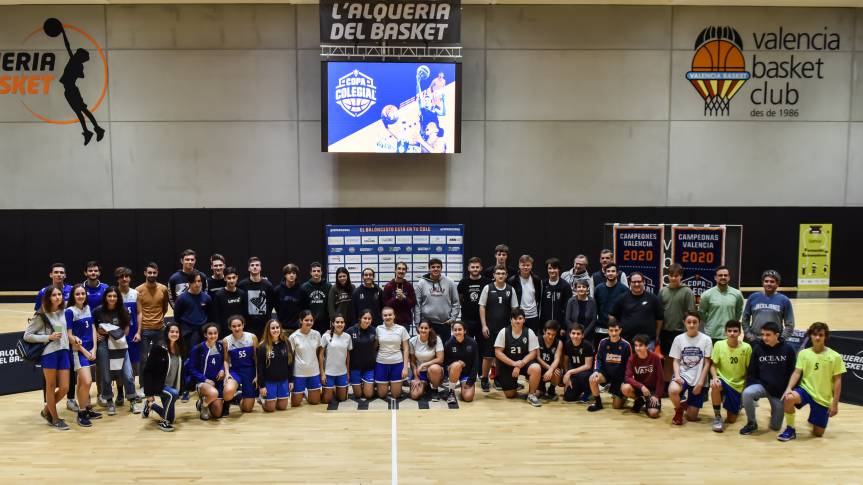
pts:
pixel 39 78
pixel 718 68
pixel 356 93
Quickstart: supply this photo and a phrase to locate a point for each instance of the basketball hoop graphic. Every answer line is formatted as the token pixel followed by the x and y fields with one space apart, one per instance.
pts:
pixel 718 68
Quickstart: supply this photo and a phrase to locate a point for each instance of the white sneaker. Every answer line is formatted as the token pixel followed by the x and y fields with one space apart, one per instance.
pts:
pixel 135 407
pixel 140 394
pixel 102 402
pixel 533 400
pixel 72 405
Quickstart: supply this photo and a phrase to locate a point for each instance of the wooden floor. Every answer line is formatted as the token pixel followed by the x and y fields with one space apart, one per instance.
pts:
pixel 492 440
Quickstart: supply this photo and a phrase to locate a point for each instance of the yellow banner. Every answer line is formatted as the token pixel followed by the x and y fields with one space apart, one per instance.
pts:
pixel 813 268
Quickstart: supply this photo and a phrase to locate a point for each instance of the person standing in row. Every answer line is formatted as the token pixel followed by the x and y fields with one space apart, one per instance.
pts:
pixel 392 357
pixel 437 300
pixel 178 283
pixel 288 296
pixel 152 307
pixel 48 326
pixel 259 296
pixel 606 257
pixel 191 311
pixel 82 338
pixel 496 303
pixel 112 323
pixel 606 296
pixel 677 300
pixel 95 288
pixel 315 294
pixel 581 308
pixel 367 295
pixel 720 304
pixel 227 301
pixel 130 301
pixel 528 290
pixel 275 361
pixel 469 289
pixel 501 255
pixel 578 273
pixel 217 279
pixel 400 296
pixel 555 295
pixel 58 279
pixel 340 300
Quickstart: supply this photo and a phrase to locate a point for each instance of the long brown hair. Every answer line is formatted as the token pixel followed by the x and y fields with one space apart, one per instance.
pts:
pixel 267 342
pixel 46 299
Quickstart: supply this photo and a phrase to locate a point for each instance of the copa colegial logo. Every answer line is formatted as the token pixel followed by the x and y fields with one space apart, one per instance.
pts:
pixel 355 93
pixel 47 83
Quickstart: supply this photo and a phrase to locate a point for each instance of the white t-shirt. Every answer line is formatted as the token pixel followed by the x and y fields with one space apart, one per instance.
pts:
pixel 390 343
pixel 336 354
pixel 691 352
pixel 528 297
pixel 422 351
pixel 532 341
pixel 306 353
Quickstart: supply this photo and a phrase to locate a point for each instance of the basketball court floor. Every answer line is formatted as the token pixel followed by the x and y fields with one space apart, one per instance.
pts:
pixel 491 440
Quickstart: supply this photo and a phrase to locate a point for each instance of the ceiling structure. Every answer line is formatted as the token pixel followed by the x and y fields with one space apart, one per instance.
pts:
pixel 759 3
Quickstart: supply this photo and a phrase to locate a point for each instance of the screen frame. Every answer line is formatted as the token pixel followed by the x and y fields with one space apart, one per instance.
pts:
pixel 325 100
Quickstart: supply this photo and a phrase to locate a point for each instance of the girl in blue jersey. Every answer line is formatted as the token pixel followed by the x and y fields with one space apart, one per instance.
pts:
pixel 364 348
pixel 426 363
pixel 82 337
pixel 392 357
pixel 275 360
pixel 334 366
pixel 206 365
pixel 308 353
pixel 240 365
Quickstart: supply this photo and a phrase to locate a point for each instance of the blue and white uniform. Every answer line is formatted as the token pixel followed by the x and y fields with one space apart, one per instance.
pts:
pixel 389 362
pixel 205 363
pixel 94 295
pixel 307 373
pixel 67 290
pixel 130 301
pixel 241 353
pixel 81 323
pixel 336 357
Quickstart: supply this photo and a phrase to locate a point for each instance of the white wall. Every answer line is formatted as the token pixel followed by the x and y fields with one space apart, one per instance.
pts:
pixel 219 106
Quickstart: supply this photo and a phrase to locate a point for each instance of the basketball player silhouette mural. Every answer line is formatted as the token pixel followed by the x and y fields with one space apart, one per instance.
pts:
pixel 73 71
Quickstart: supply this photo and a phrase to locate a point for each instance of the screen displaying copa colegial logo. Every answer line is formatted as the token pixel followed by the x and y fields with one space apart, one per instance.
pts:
pixel 721 71
pixel 377 107
pixel 50 85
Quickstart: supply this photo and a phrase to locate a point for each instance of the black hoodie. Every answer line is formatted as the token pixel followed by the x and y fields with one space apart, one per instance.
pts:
pixel 771 366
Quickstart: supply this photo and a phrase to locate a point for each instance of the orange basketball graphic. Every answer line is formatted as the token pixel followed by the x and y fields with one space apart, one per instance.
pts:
pixel 718 68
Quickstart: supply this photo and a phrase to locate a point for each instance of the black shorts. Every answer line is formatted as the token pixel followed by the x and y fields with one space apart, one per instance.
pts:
pixel 504 375
pixel 474 329
pixel 486 345
pixel 666 338
pixel 613 385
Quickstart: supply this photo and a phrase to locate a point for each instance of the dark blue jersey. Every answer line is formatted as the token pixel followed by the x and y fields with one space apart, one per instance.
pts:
pixel 67 290
pixel 611 358
pixel 241 352
pixel 81 323
pixel 205 363
pixel 94 294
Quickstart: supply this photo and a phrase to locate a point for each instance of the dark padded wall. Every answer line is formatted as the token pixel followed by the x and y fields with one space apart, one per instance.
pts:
pixel 32 240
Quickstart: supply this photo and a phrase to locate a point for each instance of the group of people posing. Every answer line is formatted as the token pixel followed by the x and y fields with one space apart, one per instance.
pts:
pixel 571 329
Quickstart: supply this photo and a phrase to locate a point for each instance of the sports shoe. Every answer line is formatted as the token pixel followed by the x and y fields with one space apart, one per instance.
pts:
pixel 484 385
pixel 112 409
pixel 585 398
pixel 199 403
pixel 533 400
pixel 596 406
pixel 135 406
pixel 604 387
pixel 60 425
pixel 226 409
pixel 637 404
pixel 677 420
pixel 165 426
pixel 205 413
pixel 717 424
pixel 145 411
pixel 93 414
pixel 83 420
pixel 551 395
pixel 139 394
pixel 72 405
pixel 450 397
pixel 120 401
pixel 497 384
pixel 184 397
pixel 435 394
pixel 787 435
pixel 749 429
pixel 102 401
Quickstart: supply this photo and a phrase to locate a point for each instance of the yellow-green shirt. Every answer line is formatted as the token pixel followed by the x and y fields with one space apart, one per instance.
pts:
pixel 818 371
pixel 731 364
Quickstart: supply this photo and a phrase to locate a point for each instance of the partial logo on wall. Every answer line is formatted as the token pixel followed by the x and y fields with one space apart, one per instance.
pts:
pixel 36 78
pixel 718 68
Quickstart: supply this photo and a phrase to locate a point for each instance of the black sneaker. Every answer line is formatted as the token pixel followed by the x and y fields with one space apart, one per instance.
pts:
pixel 435 395
pixel 226 409
pixel 60 425
pixel 83 420
pixel 637 404
pixel 596 406
pixel 497 384
pixel 165 426
pixel 46 416
pixel 749 429
pixel 184 397
pixel 93 414
pixel 450 398
pixel 145 411
pixel 120 401
pixel 484 385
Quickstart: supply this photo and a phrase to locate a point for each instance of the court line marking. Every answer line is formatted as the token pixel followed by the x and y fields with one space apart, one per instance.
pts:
pixel 15 311
pixel 394 479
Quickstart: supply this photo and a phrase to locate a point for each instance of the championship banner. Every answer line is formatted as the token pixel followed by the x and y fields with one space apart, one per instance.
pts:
pixel 642 249
pixel 392 21
pixel 380 247
pixel 700 250
pixel 813 268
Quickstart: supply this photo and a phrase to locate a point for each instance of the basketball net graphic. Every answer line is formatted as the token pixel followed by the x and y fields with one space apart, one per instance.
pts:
pixel 718 68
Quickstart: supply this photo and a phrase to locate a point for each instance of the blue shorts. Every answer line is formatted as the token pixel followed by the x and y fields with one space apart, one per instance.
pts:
pixel 302 384
pixel 79 361
pixel 731 399
pixel 386 373
pixel 424 376
pixel 818 414
pixel 59 360
pixel 359 377
pixel 245 378
pixel 277 390
pixel 134 347
pixel 694 400
pixel 336 381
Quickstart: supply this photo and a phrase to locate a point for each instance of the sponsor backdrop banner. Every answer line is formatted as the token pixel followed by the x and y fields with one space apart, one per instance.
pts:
pixel 700 250
pixel 642 249
pixel 380 247
pixel 18 376
pixel 813 268
pixel 393 21
pixel 849 345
